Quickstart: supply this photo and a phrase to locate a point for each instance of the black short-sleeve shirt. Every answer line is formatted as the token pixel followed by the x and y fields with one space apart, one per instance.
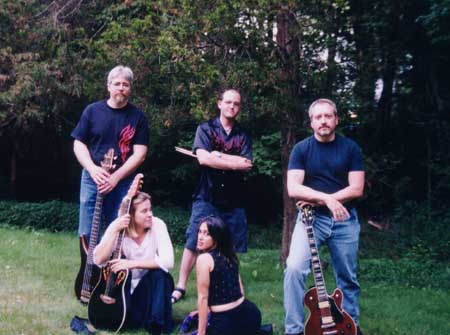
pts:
pixel 326 164
pixel 102 127
pixel 223 188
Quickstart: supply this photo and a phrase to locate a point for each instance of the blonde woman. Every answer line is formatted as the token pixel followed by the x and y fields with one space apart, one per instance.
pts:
pixel 149 256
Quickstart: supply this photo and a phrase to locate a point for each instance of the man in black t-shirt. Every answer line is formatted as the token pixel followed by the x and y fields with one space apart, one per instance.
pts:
pixel 325 170
pixel 224 151
pixel 112 123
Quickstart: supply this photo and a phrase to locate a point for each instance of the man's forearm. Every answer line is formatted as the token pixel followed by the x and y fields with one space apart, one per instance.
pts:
pixel 217 160
pixel 232 158
pixel 347 194
pixel 83 155
pixel 132 163
pixel 305 193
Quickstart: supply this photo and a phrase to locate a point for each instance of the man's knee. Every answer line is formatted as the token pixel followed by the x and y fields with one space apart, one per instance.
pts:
pixel 297 267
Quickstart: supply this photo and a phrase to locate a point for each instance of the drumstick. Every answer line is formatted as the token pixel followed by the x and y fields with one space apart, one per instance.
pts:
pixel 185 152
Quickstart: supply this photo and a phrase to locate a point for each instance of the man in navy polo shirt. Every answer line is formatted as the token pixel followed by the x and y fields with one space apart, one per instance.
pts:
pixel 325 170
pixel 111 123
pixel 224 151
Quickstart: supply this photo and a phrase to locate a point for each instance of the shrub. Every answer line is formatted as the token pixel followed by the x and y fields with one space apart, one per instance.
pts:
pixel 58 216
pixel 405 272
pixel 52 215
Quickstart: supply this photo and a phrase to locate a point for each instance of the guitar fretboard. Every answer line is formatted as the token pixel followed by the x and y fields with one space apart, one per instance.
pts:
pixel 93 239
pixel 316 265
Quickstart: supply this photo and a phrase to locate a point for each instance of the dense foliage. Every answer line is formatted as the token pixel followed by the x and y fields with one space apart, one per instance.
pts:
pixel 411 235
pixel 59 216
pixel 383 62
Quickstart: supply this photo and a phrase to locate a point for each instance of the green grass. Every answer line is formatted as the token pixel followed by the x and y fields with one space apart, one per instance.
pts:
pixel 38 271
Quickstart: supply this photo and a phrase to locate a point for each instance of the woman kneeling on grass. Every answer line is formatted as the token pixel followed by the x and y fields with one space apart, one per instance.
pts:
pixel 219 285
pixel 149 255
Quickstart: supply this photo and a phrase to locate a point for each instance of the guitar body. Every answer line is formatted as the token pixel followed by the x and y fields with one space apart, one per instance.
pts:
pixel 95 272
pixel 108 304
pixel 344 324
pixel 107 307
pixel 326 316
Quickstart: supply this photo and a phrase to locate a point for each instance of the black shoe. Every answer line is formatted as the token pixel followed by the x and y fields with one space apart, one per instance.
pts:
pixel 359 331
pixel 155 329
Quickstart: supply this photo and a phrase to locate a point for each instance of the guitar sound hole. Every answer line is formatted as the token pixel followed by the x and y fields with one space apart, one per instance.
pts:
pixel 107 300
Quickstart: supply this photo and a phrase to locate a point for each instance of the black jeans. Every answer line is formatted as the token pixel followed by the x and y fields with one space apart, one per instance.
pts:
pixel 150 306
pixel 245 319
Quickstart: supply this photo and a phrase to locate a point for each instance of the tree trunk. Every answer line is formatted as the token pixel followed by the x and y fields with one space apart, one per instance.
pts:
pixel 13 174
pixel 288 47
pixel 383 119
pixel 289 210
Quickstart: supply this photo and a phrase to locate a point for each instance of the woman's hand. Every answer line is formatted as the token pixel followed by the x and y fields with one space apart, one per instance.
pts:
pixel 119 264
pixel 121 223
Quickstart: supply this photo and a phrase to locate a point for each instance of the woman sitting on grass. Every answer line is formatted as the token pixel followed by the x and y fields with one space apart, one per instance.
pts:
pixel 149 255
pixel 219 285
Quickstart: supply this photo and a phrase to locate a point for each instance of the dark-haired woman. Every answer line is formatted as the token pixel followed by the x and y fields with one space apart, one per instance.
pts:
pixel 149 256
pixel 219 285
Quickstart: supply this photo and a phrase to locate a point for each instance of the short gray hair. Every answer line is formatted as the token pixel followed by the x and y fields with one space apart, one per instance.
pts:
pixel 322 102
pixel 120 70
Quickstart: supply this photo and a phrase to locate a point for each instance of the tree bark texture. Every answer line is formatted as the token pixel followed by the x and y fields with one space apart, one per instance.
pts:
pixel 288 47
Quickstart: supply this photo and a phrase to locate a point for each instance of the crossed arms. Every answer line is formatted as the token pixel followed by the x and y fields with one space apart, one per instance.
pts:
pixel 334 201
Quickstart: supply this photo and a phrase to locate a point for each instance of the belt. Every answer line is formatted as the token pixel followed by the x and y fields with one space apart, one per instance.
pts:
pixel 324 210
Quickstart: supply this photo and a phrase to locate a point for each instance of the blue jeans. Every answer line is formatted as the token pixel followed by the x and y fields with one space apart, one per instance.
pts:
pixel 342 239
pixel 111 203
pixel 234 218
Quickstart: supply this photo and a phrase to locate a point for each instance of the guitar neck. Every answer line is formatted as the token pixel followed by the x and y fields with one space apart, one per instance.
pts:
pixel 95 227
pixel 124 209
pixel 319 279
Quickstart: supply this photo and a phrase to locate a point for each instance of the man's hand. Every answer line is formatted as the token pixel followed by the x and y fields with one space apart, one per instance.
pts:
pixel 244 164
pixel 99 175
pixel 109 184
pixel 340 213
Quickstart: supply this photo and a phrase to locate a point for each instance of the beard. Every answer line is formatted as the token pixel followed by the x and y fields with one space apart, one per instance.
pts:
pixel 325 131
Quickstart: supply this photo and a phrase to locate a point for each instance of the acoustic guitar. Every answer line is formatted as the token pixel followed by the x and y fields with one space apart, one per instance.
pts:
pixel 88 274
pixel 326 315
pixel 108 304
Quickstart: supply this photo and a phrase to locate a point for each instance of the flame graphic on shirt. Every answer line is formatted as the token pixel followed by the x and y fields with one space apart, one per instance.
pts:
pixel 125 137
pixel 233 147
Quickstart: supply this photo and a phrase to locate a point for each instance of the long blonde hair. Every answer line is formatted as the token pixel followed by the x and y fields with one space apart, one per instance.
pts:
pixel 137 200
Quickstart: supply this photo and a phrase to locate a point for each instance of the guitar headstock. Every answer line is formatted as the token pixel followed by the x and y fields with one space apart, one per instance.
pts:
pixel 135 185
pixel 132 192
pixel 307 214
pixel 108 161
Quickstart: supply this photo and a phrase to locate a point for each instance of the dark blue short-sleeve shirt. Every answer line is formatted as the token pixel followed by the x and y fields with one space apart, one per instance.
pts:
pixel 326 164
pixel 102 127
pixel 223 188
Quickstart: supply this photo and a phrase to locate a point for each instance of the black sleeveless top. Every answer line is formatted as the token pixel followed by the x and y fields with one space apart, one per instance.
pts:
pixel 223 281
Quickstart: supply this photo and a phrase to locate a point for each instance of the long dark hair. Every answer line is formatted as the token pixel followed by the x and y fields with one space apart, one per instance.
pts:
pixel 220 233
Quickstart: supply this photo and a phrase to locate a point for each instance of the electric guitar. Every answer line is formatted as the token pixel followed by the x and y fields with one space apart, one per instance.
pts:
pixel 326 315
pixel 108 304
pixel 88 274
